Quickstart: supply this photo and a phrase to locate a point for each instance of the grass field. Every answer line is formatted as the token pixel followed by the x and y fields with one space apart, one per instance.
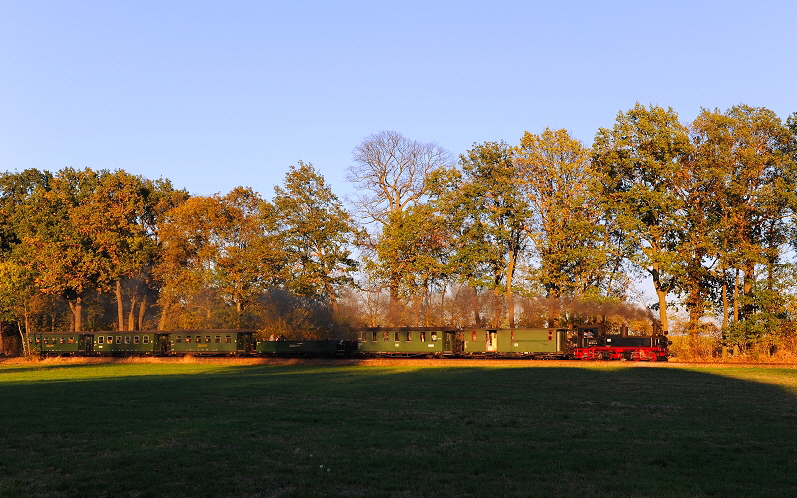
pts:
pixel 216 429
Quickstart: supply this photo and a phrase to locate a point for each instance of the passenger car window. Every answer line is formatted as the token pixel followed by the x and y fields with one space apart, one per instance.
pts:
pixel 146 339
pixel 409 336
pixel 136 339
pixel 100 339
pixel 218 338
pixel 227 338
pixel 187 339
pixel 127 339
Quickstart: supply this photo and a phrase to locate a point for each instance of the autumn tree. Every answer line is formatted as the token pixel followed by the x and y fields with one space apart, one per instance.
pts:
pixel 578 249
pixel 745 157
pixel 411 256
pixel 19 294
pixel 111 217
pixel 217 252
pixel 490 214
pixel 390 173
pixel 59 248
pixel 641 162
pixel 316 234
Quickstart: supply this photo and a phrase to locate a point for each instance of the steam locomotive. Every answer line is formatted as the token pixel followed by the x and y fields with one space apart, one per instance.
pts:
pixel 585 342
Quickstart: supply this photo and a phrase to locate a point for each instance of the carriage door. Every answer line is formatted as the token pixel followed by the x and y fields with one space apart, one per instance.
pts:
pixel 164 340
pixel 491 340
pixel 448 342
pixel 89 343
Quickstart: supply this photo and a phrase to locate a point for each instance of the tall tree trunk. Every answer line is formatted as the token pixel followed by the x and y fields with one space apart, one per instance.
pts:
pixel 662 295
pixel 120 306
pixel 23 336
pixel 724 303
pixel 131 315
pixel 142 311
pixel 736 297
pixel 510 296
pixel 475 301
pixel 77 314
pixel 552 298
pixel 443 305
pixel 163 315
pixel 333 299
pixel 747 287
pixel 393 303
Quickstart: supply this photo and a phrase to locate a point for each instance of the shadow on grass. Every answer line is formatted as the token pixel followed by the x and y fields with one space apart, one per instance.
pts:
pixel 203 430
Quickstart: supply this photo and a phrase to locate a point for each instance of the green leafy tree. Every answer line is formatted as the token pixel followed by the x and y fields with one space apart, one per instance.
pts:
pixel 491 216
pixel 744 157
pixel 111 217
pixel 578 250
pixel 390 173
pixel 317 234
pixel 640 161
pixel 57 246
pixel 415 242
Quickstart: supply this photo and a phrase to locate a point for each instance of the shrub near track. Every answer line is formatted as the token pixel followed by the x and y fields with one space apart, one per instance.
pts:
pixel 211 429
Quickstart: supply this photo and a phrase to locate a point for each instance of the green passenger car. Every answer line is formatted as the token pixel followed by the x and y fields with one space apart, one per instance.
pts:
pixel 515 342
pixel 211 342
pixel 60 343
pixel 298 348
pixel 143 342
pixel 406 341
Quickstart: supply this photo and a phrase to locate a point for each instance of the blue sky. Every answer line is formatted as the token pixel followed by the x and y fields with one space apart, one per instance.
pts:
pixel 217 94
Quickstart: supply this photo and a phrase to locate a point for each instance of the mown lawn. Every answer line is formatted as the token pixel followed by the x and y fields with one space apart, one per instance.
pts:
pixel 215 429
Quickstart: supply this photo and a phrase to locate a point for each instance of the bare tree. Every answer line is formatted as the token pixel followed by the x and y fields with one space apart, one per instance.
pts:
pixel 390 172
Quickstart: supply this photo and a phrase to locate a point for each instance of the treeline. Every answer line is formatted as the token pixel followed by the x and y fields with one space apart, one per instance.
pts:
pixel 544 232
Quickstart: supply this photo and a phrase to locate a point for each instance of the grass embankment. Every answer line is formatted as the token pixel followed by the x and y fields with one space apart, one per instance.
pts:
pixel 207 429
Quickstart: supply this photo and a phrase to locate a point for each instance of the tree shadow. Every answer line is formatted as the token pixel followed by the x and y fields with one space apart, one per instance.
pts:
pixel 262 430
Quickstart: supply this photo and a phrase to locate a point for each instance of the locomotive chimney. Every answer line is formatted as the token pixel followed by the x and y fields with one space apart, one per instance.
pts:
pixel 623 330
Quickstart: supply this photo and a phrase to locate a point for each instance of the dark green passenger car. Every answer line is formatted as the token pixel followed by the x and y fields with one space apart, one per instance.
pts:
pixel 228 342
pixel 297 348
pixel 407 341
pixel 141 342
pixel 61 343
pixel 515 342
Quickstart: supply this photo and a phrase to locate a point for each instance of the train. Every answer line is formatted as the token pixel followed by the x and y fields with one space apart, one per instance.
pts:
pixel 583 342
